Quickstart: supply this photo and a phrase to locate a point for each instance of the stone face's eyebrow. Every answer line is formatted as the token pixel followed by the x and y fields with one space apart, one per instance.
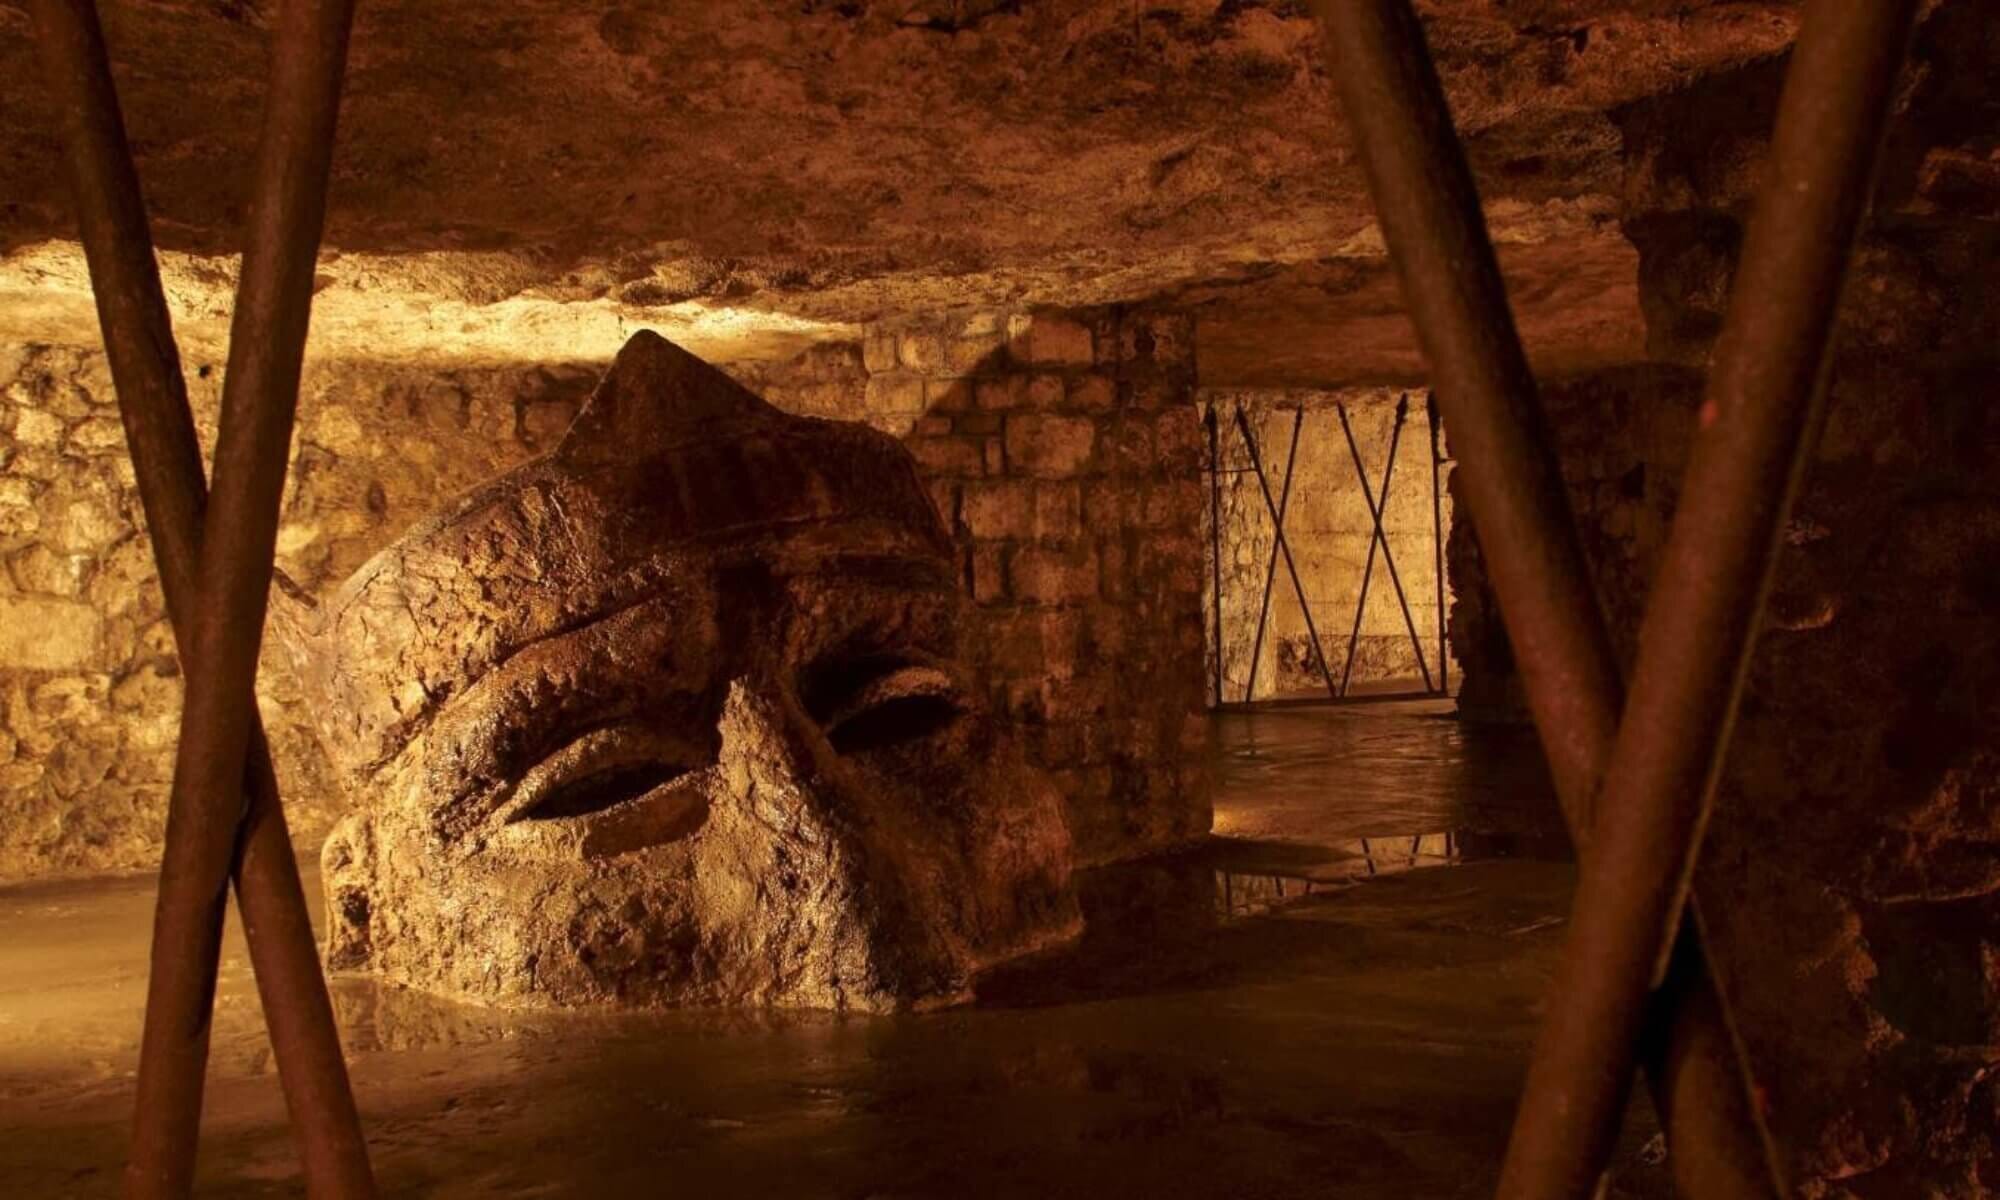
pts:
pixel 637 661
pixel 427 630
pixel 430 615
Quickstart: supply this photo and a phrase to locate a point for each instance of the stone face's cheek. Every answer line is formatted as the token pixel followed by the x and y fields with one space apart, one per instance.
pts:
pixel 347 866
pixel 988 856
pixel 673 814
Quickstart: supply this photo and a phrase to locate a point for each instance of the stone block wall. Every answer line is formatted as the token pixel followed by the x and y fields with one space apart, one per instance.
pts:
pixel 90 688
pixel 1329 531
pixel 1067 450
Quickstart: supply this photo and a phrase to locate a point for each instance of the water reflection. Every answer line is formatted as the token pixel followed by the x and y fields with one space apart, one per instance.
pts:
pixel 1331 774
pixel 1313 802
pixel 1184 1046
pixel 1267 875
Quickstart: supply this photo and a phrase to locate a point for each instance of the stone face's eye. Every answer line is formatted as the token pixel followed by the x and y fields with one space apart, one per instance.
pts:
pixel 891 704
pixel 602 790
pixel 599 771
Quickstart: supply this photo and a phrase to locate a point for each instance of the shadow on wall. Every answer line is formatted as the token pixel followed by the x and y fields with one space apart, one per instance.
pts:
pixel 1066 451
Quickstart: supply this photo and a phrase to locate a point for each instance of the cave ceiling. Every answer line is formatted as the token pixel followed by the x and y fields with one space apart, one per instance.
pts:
pixel 533 179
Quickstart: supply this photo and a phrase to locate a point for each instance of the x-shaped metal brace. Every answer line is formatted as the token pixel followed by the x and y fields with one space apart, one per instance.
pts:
pixel 1636 777
pixel 214 555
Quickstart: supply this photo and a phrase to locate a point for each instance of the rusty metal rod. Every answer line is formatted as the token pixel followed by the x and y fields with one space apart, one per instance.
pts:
pixel 1431 219
pixel 1512 489
pixel 1305 609
pixel 1271 568
pixel 1368 563
pixel 1215 537
pixel 1378 536
pixel 1437 539
pixel 239 528
pixel 1755 429
pixel 166 457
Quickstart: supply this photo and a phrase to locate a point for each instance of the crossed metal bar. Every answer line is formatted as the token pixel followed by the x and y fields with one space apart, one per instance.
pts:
pixel 1271 568
pixel 1377 537
pixel 1633 980
pixel 1437 537
pixel 1658 766
pixel 214 555
pixel 1281 548
pixel 1215 537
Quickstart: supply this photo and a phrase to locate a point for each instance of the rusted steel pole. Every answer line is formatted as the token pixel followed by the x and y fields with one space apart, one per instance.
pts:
pixel 1271 568
pixel 1215 538
pixel 1437 539
pixel 1512 488
pixel 260 396
pixel 1430 216
pixel 166 457
pixel 1754 431
pixel 1284 547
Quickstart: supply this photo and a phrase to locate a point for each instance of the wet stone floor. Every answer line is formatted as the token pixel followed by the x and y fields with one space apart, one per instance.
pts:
pixel 1333 998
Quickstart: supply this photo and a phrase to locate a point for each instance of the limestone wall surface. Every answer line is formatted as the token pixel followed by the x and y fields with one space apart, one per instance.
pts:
pixel 1050 461
pixel 89 686
pixel 1066 450
pixel 1851 872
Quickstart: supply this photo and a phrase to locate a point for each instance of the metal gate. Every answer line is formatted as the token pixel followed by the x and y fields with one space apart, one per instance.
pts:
pixel 1230 428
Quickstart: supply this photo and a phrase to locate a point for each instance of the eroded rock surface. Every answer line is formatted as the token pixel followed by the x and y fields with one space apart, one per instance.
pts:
pixel 1851 875
pixel 677 715
pixel 514 181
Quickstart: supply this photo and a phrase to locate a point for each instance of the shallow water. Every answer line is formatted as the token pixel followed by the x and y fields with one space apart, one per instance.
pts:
pixel 1338 772
pixel 1300 1008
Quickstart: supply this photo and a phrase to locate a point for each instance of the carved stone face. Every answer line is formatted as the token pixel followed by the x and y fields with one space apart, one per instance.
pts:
pixel 676 715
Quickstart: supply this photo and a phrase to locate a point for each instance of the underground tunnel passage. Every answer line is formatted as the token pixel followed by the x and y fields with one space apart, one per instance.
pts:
pixel 999 598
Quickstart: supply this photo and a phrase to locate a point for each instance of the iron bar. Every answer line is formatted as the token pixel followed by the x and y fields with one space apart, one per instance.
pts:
pixel 1511 485
pixel 1381 512
pixel 1257 461
pixel 1431 219
pixel 166 457
pixel 1376 513
pixel 1437 539
pixel 239 528
pixel 1368 563
pixel 1271 569
pixel 1215 538
pixel 1763 408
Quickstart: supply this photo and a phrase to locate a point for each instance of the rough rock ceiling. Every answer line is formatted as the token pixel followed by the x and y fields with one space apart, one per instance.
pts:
pixel 529 179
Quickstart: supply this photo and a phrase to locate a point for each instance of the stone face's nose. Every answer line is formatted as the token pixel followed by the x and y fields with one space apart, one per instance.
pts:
pixel 807 877
pixel 775 877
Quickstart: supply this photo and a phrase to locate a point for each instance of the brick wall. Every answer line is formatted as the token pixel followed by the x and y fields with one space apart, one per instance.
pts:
pixel 1067 451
